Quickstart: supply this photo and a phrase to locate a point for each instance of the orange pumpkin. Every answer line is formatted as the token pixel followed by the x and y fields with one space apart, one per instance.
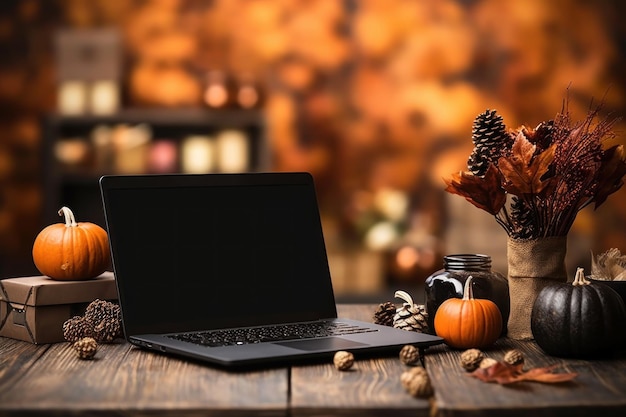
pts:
pixel 468 322
pixel 71 251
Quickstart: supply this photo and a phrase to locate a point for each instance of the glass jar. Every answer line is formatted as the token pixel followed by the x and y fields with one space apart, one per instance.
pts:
pixel 448 282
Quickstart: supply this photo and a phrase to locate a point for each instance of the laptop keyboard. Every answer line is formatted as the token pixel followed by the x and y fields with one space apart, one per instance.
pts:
pixel 275 333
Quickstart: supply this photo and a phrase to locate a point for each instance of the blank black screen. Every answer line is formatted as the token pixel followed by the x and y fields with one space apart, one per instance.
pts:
pixel 214 251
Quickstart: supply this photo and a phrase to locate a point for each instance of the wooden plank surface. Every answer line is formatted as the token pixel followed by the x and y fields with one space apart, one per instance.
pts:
pixel 371 388
pixel 128 381
pixel 123 380
pixel 599 389
pixel 16 357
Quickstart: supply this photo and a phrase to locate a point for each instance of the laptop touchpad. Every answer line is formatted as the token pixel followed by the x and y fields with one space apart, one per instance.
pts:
pixel 329 343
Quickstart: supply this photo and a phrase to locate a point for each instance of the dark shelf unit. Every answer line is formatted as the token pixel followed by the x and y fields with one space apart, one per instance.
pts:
pixel 78 188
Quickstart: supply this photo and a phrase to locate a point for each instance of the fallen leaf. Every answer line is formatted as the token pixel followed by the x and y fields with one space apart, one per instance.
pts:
pixel 503 373
pixel 546 375
pixel 499 372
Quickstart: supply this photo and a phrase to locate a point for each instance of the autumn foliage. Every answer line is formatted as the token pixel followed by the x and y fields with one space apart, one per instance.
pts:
pixel 536 187
pixel 504 373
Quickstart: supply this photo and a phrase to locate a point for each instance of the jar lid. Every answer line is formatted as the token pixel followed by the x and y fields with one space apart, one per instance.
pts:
pixel 467 261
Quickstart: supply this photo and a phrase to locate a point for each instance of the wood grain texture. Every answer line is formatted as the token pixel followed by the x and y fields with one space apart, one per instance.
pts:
pixel 371 388
pixel 128 381
pixel 599 388
pixel 16 357
pixel 122 380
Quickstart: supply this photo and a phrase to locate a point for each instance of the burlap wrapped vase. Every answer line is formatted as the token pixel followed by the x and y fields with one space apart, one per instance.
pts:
pixel 533 264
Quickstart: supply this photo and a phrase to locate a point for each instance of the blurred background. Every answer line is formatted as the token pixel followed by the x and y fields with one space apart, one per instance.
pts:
pixel 375 98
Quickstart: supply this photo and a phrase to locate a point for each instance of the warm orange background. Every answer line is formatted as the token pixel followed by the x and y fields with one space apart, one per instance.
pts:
pixel 369 96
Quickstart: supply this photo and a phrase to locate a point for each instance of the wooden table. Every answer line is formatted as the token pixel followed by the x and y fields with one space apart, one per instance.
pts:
pixel 124 380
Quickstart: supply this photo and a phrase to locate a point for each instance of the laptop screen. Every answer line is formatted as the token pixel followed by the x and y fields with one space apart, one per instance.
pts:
pixel 195 252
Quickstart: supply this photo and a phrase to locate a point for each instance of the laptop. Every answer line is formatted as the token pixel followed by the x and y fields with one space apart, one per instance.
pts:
pixel 231 269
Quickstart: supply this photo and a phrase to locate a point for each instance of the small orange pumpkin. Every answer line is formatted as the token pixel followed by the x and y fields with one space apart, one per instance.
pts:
pixel 71 251
pixel 468 322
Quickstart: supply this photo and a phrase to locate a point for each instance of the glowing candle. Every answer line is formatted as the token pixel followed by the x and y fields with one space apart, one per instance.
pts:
pixel 197 154
pixel 104 98
pixel 72 97
pixel 131 145
pixel 233 153
pixel 163 156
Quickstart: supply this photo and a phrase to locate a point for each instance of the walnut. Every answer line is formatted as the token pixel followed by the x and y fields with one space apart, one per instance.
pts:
pixel 416 382
pixel 86 347
pixel 343 360
pixel 409 355
pixel 487 362
pixel 471 358
pixel 514 357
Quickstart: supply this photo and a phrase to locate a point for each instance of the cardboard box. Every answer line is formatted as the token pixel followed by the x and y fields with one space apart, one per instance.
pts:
pixel 34 308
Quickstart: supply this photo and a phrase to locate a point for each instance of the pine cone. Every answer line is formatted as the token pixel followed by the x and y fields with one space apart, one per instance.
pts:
pixel 106 318
pixel 491 141
pixel 77 328
pixel 523 219
pixel 384 314
pixel 98 310
pixel 410 316
pixel 107 330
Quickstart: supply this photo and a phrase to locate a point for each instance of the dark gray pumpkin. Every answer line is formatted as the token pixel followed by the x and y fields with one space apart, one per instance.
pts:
pixel 580 319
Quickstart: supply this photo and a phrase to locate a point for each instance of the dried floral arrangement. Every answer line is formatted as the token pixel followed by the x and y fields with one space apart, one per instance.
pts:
pixel 535 181
pixel 609 266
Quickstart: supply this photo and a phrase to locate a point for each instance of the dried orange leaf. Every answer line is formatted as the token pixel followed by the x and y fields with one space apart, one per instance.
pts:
pixel 499 372
pixel 546 375
pixel 484 192
pixel 523 170
pixel 503 373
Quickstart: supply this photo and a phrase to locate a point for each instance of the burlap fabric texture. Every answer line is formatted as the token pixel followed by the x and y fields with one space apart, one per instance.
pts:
pixel 533 264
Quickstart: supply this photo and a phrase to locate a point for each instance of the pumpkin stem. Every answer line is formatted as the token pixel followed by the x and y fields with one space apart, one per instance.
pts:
pixel 468 292
pixel 70 220
pixel 579 279
pixel 404 296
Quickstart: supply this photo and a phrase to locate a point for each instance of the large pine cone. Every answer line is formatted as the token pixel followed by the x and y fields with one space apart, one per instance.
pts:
pixel 410 316
pixel 106 318
pixel 491 141
pixel 107 330
pixel 99 310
